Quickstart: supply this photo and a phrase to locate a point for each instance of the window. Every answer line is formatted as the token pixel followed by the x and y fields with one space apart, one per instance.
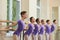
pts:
pixel 38 8
pixel 38 3
pixel 13 11
pixel 38 13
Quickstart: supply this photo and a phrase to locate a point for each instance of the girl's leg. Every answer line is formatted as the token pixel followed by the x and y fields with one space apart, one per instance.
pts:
pixel 47 37
pixel 32 37
pixel 50 37
pixel 40 37
pixel 36 37
pixel 15 37
pixel 26 37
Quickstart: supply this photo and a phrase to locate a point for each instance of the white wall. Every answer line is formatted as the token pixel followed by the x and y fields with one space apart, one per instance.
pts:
pixel 46 9
pixel 43 10
pixel 32 8
pixel 3 10
pixel 25 5
pixel 55 3
pixel 59 16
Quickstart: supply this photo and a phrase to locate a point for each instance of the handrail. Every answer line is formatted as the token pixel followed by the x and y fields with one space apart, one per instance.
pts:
pixel 9 29
pixel 3 29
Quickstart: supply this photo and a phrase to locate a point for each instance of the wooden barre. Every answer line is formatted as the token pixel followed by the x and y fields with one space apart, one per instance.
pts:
pixel 6 21
pixel 10 29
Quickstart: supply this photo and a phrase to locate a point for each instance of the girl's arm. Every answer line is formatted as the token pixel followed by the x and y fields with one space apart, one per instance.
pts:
pixel 13 24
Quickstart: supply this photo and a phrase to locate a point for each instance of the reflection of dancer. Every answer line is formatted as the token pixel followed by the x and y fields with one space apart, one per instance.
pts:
pixel 48 30
pixel 42 30
pixel 21 25
pixel 30 29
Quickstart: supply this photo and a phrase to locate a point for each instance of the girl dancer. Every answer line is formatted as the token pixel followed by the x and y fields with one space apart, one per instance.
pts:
pixel 21 25
pixel 48 30
pixel 53 25
pixel 35 32
pixel 42 30
pixel 30 28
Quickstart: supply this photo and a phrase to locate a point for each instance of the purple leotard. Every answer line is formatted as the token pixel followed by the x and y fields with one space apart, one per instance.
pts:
pixel 41 31
pixel 36 29
pixel 20 28
pixel 53 27
pixel 48 29
pixel 30 29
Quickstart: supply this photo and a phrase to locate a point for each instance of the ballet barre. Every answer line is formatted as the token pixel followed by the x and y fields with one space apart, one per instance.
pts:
pixel 6 21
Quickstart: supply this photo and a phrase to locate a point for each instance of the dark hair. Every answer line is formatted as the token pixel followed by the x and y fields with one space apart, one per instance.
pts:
pixel 54 20
pixel 42 20
pixel 47 21
pixel 23 12
pixel 31 19
pixel 37 20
